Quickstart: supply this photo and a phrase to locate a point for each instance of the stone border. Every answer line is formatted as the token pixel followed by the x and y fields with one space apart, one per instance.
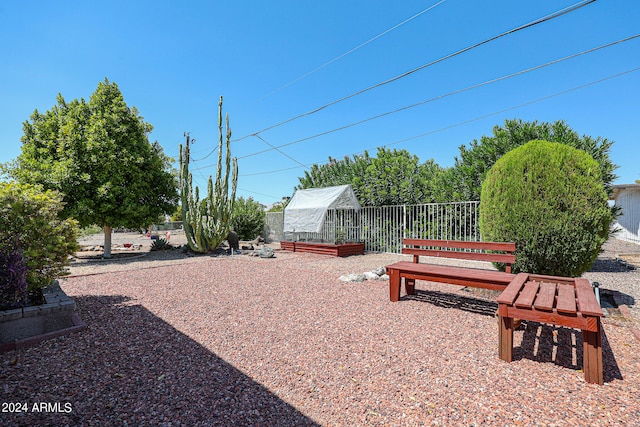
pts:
pixel 28 326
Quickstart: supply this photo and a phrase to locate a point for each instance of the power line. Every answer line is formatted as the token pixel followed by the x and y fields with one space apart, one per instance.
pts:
pixel 273 147
pixel 544 98
pixel 274 171
pixel 279 151
pixel 334 60
pixel 487 82
pixel 564 92
pixel 337 58
pixel 546 18
pixel 260 194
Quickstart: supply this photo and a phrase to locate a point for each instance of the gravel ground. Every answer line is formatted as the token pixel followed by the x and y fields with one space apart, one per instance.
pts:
pixel 175 340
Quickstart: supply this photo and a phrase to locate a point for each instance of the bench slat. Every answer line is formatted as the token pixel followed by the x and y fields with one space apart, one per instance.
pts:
pixel 528 295
pixel 509 295
pixel 546 297
pixel 475 256
pixel 487 246
pixel 448 274
pixel 566 299
pixel 586 300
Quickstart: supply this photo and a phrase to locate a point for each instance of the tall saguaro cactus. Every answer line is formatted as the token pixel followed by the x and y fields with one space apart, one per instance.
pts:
pixel 207 223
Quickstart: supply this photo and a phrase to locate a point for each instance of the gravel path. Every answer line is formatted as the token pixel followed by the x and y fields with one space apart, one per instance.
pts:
pixel 248 341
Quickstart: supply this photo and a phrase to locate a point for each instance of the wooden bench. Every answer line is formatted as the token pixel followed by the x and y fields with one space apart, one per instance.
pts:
pixel 465 276
pixel 558 301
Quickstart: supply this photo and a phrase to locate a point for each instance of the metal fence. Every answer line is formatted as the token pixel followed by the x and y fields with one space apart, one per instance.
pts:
pixel 340 226
pixel 383 228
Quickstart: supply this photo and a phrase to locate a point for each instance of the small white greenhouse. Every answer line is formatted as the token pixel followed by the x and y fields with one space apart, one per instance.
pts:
pixel 323 215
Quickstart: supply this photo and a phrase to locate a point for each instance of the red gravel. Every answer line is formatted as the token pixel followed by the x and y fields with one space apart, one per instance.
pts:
pixel 250 341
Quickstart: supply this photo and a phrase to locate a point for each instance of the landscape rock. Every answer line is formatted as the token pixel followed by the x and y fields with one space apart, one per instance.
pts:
pixel 353 278
pixel 371 275
pixel 266 252
pixel 380 271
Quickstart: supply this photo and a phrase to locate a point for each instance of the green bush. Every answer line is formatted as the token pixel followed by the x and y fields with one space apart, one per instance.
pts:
pixel 549 199
pixel 29 220
pixel 248 218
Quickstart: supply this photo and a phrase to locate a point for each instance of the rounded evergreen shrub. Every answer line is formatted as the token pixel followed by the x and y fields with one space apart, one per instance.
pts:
pixel 549 199
pixel 248 218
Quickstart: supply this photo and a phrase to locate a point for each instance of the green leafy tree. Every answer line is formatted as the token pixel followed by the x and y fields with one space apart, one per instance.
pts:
pixel 549 199
pixel 350 170
pixel 29 221
pixel 98 155
pixel 392 177
pixel 280 206
pixel 248 218
pixel 464 181
pixel 397 177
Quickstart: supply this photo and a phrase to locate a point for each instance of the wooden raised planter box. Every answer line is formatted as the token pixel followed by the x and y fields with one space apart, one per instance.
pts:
pixel 27 326
pixel 339 250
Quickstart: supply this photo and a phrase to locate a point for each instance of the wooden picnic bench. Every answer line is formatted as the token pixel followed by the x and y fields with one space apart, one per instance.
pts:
pixel 558 301
pixel 465 276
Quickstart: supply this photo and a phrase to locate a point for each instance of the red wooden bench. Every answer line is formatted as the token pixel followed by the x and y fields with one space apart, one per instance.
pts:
pixel 465 276
pixel 558 301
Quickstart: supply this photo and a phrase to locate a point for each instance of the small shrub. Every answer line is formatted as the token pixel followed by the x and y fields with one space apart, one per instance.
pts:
pixel 29 220
pixel 13 279
pixel 160 244
pixel 549 199
pixel 248 218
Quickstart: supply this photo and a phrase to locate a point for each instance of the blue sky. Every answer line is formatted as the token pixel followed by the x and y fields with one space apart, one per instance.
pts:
pixel 172 60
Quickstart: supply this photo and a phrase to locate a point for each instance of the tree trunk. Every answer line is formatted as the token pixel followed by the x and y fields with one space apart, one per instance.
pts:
pixel 107 242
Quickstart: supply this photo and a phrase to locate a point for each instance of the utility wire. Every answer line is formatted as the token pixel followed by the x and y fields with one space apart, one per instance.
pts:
pixel 274 171
pixel 260 194
pixel 280 151
pixel 537 67
pixel 564 92
pixel 544 98
pixel 337 58
pixel 353 49
pixel 546 18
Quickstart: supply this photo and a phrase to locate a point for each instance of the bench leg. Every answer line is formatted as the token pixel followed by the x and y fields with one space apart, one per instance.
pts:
pixel 592 354
pixel 410 286
pixel 394 285
pixel 505 338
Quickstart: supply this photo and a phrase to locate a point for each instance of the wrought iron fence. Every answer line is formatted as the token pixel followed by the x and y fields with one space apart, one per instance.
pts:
pixel 383 228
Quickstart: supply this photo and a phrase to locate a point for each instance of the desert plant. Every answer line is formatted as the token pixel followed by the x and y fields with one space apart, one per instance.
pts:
pixel 160 245
pixel 248 218
pixel 548 198
pixel 29 220
pixel 13 278
pixel 206 224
